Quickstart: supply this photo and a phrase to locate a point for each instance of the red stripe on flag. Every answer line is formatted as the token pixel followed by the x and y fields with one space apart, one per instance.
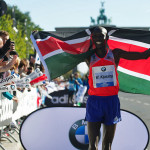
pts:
pixel 53 44
pixel 82 47
pixel 140 66
pixel 125 46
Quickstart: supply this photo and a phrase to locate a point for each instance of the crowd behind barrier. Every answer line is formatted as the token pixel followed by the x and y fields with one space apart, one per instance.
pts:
pixel 24 87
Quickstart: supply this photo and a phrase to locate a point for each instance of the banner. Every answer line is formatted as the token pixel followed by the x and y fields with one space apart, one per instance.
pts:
pixel 61 97
pixel 65 128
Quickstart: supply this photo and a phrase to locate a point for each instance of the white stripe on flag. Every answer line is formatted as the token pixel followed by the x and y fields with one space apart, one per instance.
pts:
pixel 74 41
pixel 132 73
pixel 88 31
pixel 130 41
pixel 79 40
pixel 59 51
pixel 47 72
pixel 43 39
pixel 111 32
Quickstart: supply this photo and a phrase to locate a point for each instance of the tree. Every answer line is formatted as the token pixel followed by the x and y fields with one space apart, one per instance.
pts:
pixel 20 19
pixel 18 37
pixel 21 38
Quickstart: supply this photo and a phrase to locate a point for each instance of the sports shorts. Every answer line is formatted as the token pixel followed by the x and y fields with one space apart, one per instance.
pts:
pixel 104 109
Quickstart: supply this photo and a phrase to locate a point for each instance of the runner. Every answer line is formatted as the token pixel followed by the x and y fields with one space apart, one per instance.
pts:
pixel 103 104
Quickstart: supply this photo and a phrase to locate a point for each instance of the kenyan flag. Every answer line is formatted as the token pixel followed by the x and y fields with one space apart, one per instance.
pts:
pixel 59 55
pixel 134 75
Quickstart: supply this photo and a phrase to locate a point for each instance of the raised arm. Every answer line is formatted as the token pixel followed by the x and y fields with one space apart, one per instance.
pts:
pixel 9 65
pixel 131 55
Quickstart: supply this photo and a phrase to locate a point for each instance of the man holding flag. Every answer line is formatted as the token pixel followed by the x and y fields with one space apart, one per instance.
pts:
pixel 103 104
pixel 59 55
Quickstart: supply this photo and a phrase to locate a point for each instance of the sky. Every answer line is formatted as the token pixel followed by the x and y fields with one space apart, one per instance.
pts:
pixel 49 14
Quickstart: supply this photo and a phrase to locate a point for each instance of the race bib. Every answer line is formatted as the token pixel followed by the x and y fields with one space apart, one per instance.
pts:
pixel 104 76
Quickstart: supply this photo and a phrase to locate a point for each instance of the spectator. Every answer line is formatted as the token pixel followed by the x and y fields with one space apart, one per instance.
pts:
pixel 14 69
pixel 4 65
pixel 32 61
pixel 72 89
pixel 23 67
pixel 85 81
pixel 4 36
pixel 78 81
pixel 103 105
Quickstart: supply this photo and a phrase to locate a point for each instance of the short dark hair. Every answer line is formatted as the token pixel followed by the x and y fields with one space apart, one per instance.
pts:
pixel 100 28
pixel 3 33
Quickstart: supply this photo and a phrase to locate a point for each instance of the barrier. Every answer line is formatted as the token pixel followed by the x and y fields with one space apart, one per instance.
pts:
pixel 6 111
pixel 27 103
pixel 65 128
pixel 11 111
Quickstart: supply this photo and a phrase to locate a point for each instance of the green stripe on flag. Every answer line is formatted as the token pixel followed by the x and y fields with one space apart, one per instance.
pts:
pixel 58 64
pixel 133 84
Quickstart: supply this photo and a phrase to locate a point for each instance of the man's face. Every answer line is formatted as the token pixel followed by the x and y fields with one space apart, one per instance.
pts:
pixel 1 42
pixel 99 38
pixel 76 75
pixel 5 38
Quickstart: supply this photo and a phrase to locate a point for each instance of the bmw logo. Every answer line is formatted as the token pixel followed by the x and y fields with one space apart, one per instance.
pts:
pixel 78 135
pixel 103 69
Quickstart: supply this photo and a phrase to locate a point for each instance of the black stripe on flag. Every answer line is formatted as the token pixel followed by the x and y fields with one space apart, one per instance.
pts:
pixel 43 35
pixel 130 34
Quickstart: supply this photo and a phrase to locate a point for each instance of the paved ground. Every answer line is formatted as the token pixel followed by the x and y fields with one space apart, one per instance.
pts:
pixel 11 145
pixel 135 103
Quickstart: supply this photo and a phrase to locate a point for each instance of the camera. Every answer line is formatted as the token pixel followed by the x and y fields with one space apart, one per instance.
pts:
pixel 5 48
pixel 13 53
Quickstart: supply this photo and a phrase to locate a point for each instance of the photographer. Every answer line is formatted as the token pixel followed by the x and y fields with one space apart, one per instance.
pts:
pixel 6 49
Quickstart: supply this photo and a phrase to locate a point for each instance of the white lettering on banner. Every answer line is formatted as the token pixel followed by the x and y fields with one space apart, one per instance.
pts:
pixel 35 74
pixel 23 80
pixel 62 99
pixel 37 70
pixel 75 126
pixel 23 85
pixel 8 79
pixel 37 84
pixel 104 76
pixel 84 122
pixel 5 88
